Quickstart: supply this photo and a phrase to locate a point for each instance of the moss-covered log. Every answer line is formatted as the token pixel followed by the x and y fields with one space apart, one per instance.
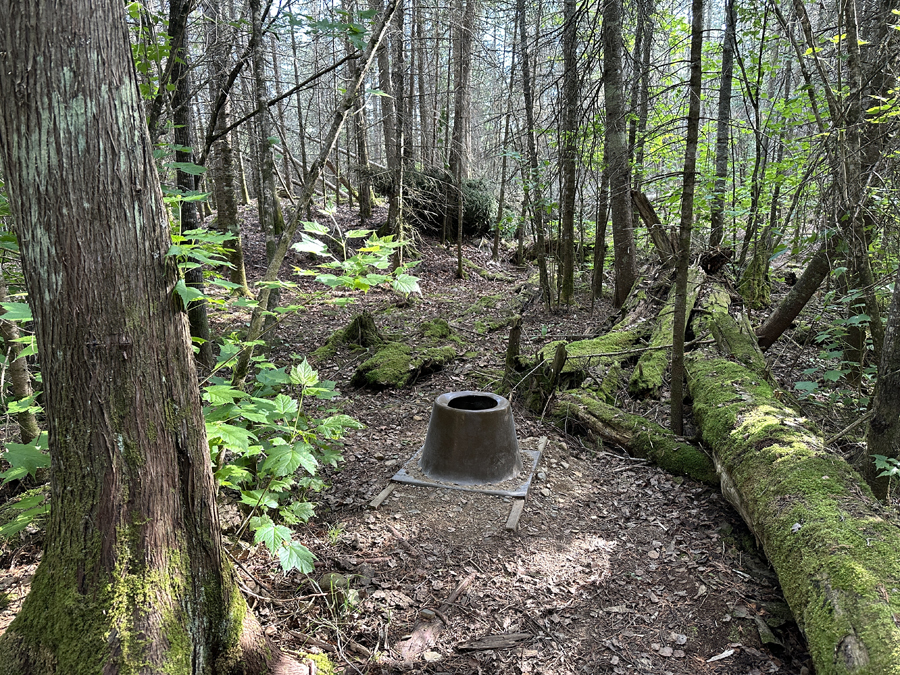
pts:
pixel 647 378
pixel 832 545
pixel 640 436
pixel 733 336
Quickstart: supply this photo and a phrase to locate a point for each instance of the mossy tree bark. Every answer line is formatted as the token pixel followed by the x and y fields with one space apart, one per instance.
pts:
pixel 133 577
pixel 833 547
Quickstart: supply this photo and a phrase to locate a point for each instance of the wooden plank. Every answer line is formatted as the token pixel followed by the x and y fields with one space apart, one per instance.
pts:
pixel 512 523
pixel 502 641
pixel 384 494
pixel 425 633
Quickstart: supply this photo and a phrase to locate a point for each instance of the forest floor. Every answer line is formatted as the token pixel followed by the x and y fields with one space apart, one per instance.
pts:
pixel 616 567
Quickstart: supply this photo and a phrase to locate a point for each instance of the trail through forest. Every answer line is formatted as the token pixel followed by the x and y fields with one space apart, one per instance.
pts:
pixel 616 566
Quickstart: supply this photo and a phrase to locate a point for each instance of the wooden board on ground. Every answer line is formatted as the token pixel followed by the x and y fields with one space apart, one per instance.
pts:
pixel 384 494
pixel 512 523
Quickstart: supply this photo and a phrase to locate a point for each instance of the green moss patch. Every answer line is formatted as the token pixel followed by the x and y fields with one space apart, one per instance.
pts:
pixel 642 436
pixel 831 543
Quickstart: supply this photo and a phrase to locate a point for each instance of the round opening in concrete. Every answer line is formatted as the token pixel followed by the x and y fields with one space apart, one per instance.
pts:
pixel 473 402
pixel 471 439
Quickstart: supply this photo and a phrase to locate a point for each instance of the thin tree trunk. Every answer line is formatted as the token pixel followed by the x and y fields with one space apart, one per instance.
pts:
pixel 723 126
pixel 221 160
pixel 184 143
pixel 359 134
pixel 268 206
pixel 617 153
pixel 794 302
pixel 425 111
pixel 504 146
pixel 537 200
pixel 600 237
pixel 19 378
pixel 459 151
pixel 687 218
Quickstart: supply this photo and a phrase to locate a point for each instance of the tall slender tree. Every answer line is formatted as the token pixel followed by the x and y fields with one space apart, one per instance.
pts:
pixel 617 153
pixel 723 127
pixel 534 190
pixel 459 149
pixel 687 217
pixel 569 153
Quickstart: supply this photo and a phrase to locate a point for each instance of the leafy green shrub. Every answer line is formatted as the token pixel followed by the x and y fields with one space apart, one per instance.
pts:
pixel 270 450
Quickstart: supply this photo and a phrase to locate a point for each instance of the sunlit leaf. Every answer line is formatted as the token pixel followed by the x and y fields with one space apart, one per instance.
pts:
pixel 295 556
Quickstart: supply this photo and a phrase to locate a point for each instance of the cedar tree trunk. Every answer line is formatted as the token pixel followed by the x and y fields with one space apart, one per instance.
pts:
pixel 133 577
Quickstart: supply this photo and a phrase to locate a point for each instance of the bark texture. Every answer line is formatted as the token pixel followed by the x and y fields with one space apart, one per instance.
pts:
pixel 132 578
pixel 723 128
pixel 617 153
pixel 884 428
pixel 569 155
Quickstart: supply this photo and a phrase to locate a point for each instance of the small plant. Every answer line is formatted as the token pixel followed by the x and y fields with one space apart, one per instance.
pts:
pixel 889 466
pixel 335 532
pixel 367 268
pixel 260 445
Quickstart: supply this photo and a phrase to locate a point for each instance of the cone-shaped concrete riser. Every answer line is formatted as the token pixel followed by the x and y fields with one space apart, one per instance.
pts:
pixel 471 439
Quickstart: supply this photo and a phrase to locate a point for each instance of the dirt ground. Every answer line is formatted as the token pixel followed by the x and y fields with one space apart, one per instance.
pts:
pixel 616 566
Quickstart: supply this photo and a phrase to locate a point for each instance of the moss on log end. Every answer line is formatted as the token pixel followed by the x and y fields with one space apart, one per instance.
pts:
pixel 829 540
pixel 732 337
pixel 586 354
pixel 754 285
pixel 361 332
pixel 397 364
pixel 640 436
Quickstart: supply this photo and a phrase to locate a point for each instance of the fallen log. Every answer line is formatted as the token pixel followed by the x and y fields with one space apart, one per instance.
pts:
pixel 647 377
pixel 833 546
pixel 640 436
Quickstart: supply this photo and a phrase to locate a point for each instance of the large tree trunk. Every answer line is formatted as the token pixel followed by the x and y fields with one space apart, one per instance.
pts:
pixel 133 576
pixel 833 547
